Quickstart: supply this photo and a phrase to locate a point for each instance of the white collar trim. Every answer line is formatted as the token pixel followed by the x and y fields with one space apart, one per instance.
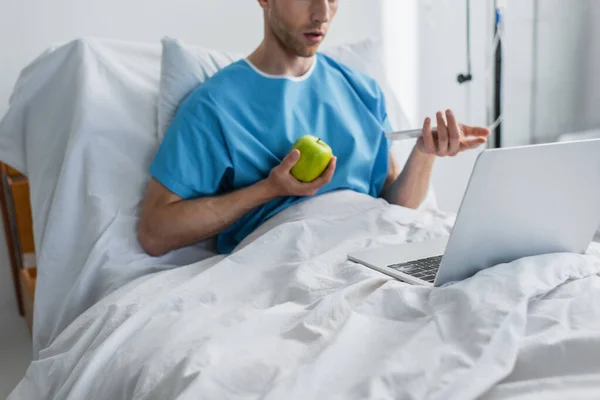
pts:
pixel 304 77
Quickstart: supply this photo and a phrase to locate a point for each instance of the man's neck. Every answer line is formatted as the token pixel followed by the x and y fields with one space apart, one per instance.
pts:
pixel 271 58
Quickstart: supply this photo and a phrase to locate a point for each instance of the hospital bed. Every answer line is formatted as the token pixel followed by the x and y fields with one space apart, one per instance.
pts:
pixel 285 315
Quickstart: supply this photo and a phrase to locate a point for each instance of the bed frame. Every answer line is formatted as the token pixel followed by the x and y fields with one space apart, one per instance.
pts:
pixel 18 230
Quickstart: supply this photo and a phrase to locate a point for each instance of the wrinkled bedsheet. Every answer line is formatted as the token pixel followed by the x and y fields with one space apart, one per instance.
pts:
pixel 287 316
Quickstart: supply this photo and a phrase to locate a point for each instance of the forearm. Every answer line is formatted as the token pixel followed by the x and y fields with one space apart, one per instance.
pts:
pixel 186 222
pixel 411 186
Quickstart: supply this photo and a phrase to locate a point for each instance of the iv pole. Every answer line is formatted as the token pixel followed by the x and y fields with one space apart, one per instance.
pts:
pixel 497 78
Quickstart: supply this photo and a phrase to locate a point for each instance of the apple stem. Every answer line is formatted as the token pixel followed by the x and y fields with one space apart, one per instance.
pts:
pixel 319 140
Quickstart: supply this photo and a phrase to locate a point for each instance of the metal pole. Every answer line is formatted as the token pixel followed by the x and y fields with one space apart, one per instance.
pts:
pixel 497 79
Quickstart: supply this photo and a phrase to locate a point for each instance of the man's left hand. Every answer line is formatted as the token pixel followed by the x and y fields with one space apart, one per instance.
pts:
pixel 451 138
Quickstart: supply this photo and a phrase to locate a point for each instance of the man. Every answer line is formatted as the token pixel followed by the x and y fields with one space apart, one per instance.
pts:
pixel 224 165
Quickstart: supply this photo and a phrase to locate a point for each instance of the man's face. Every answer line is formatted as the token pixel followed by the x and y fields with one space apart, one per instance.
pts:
pixel 300 26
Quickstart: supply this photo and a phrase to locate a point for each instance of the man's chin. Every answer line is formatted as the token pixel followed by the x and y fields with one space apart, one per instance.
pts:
pixel 307 52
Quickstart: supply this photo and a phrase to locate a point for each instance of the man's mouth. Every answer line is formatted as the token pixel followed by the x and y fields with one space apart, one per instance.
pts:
pixel 315 36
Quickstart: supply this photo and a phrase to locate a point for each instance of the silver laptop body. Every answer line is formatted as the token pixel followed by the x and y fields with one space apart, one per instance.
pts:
pixel 520 202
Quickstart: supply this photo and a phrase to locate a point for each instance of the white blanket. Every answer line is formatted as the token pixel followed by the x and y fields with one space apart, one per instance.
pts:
pixel 288 317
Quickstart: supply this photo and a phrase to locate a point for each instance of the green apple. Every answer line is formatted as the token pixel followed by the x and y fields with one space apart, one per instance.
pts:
pixel 315 155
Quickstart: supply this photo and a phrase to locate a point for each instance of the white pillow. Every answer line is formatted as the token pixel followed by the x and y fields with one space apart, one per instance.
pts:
pixel 185 67
pixel 183 70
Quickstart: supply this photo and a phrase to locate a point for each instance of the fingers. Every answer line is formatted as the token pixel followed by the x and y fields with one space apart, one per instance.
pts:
pixel 475 131
pixel 428 142
pixel 326 176
pixel 442 135
pixel 297 188
pixel 282 178
pixel 290 160
pixel 453 134
pixel 472 144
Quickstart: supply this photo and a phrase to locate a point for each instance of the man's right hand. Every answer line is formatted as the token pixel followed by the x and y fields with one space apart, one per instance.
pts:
pixel 283 183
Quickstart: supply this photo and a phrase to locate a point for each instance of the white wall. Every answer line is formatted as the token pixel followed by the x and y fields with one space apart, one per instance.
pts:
pixel 591 77
pixel 27 27
pixel 567 73
pixel 400 24
pixel 519 53
pixel 552 59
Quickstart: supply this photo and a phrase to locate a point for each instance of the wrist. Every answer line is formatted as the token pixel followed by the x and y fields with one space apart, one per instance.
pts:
pixel 268 190
pixel 423 155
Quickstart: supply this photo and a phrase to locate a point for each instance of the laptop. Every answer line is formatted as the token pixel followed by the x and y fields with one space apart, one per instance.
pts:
pixel 520 202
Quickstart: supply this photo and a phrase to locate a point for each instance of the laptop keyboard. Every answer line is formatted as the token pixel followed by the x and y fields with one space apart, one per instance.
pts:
pixel 424 269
